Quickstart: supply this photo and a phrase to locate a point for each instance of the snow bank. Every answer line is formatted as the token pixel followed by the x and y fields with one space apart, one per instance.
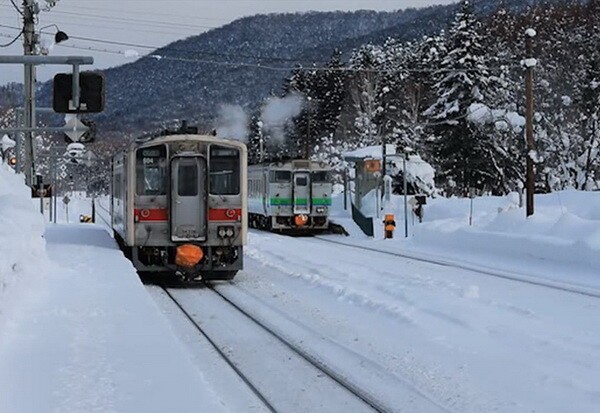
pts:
pixel 370 152
pixel 23 258
pixel 563 235
pixel 560 242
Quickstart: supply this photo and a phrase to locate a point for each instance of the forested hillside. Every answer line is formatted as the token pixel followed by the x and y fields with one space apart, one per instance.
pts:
pixel 457 99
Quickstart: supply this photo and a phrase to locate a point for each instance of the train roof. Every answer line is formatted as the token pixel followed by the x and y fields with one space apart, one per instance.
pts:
pixel 188 137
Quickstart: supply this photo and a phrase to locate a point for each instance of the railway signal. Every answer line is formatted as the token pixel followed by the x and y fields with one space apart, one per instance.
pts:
pixel 89 98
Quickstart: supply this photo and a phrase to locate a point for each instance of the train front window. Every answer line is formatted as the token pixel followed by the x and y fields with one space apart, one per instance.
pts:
pixel 187 180
pixel 301 181
pixel 151 170
pixel 224 171
pixel 281 177
pixel 321 177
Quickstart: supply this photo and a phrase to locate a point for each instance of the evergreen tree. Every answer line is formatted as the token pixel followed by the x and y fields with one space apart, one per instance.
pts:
pixel 460 149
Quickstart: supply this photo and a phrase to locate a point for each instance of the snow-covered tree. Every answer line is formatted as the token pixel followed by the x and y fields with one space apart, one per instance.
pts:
pixel 460 149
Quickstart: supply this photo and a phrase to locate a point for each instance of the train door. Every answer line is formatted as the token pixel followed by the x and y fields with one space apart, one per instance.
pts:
pixel 188 199
pixel 302 196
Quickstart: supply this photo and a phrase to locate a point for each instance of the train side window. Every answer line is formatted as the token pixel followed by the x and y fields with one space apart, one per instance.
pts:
pixel 321 177
pixel 281 176
pixel 224 170
pixel 117 187
pixel 151 171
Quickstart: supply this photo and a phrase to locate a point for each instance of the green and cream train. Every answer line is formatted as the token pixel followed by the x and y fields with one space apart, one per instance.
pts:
pixel 292 195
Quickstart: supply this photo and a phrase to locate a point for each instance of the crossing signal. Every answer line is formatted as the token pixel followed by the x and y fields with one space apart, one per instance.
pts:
pixel 12 161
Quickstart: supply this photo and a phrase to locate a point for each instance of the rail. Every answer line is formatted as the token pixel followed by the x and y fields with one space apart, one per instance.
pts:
pixel 507 275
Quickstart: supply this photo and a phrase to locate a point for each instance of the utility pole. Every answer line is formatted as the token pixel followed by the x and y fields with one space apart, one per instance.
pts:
pixel 530 63
pixel 29 43
pixel 307 149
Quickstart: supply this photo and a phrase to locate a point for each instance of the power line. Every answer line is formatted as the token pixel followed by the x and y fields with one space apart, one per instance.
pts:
pixel 159 56
pixel 178 50
pixel 137 12
pixel 135 20
pixel 13 41
pixel 16 7
pixel 145 22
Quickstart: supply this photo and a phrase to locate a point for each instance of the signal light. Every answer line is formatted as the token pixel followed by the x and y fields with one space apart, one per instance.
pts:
pixel 12 161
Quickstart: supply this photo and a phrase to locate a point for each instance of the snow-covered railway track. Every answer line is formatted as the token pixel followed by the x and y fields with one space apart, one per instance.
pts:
pixel 507 275
pixel 367 380
pixel 275 370
pixel 221 352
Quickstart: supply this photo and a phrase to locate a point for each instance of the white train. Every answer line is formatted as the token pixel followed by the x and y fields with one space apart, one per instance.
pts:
pixel 293 195
pixel 179 204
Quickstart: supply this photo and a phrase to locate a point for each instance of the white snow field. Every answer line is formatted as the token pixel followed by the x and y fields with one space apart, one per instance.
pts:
pixel 23 259
pixel 559 244
pixel 505 321
pixel 467 341
pixel 78 331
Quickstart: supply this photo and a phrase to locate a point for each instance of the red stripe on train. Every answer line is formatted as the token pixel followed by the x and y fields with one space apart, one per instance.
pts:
pixel 224 214
pixel 151 215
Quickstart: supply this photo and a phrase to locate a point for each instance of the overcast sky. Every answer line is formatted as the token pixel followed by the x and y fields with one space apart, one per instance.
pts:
pixel 154 23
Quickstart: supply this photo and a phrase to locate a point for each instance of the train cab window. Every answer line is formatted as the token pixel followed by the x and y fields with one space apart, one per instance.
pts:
pixel 281 177
pixel 301 181
pixel 320 177
pixel 151 169
pixel 224 170
pixel 187 180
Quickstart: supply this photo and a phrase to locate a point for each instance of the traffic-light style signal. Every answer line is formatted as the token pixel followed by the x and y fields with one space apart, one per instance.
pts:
pixel 12 161
pixel 92 93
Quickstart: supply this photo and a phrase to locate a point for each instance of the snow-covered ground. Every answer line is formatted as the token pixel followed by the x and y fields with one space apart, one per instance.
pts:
pixel 403 330
pixel 560 243
pixel 23 259
pixel 78 331
pixel 470 342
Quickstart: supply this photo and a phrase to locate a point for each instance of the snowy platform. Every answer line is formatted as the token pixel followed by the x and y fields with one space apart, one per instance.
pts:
pixel 91 339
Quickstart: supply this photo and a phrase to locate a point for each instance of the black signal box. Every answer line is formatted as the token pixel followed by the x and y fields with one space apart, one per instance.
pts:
pixel 92 94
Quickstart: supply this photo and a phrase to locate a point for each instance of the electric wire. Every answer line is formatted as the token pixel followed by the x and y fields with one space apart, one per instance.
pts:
pixel 13 41
pixel 17 7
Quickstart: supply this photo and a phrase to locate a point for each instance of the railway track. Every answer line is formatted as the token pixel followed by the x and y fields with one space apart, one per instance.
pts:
pixel 325 383
pixel 326 387
pixel 311 384
pixel 522 278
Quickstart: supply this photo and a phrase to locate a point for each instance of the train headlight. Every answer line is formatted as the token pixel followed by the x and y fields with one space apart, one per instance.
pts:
pixel 301 220
pixel 321 210
pixel 226 232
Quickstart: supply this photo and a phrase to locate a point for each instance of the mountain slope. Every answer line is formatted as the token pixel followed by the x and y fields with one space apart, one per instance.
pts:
pixel 195 76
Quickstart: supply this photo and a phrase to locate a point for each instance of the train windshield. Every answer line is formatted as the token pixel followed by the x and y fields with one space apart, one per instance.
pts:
pixel 224 171
pixel 281 176
pixel 320 177
pixel 151 171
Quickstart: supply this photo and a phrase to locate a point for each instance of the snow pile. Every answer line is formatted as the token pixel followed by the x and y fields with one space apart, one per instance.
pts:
pixel 23 258
pixel 503 120
pixel 564 230
pixel 419 173
pixel 370 152
pixel 561 241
